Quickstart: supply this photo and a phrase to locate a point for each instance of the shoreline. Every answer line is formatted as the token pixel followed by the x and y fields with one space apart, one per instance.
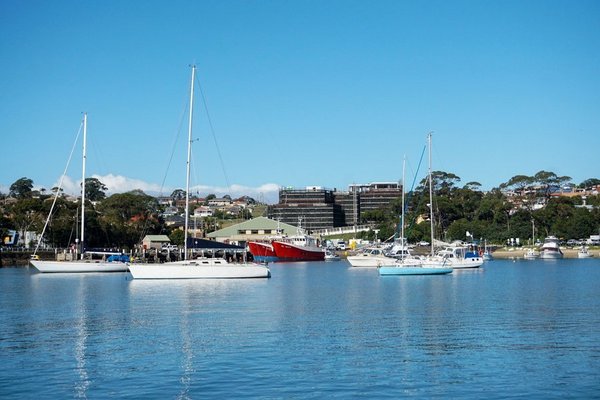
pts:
pixel 520 252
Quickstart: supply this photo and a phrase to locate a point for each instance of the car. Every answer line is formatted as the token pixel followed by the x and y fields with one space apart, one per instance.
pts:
pixel 423 243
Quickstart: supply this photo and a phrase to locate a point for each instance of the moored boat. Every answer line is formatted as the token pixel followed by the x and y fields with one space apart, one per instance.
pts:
pixel 298 248
pixel 262 251
pixel 531 254
pixel 331 255
pixel 584 252
pixel 203 268
pixel 371 257
pixel 457 257
pixel 550 250
pixel 76 266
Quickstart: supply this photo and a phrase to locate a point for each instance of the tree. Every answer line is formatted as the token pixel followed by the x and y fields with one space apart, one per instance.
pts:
pixel 589 183
pixel 126 217
pixel 178 194
pixel 550 181
pixel 21 188
pixel 94 189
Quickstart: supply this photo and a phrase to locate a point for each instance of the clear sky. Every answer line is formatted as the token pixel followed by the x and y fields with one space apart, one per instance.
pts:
pixel 299 93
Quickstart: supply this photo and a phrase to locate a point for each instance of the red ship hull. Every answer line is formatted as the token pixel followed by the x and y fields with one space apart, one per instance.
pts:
pixel 289 252
pixel 262 252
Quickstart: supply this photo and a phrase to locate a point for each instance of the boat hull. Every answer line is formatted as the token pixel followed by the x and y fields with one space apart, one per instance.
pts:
pixel 414 270
pixel 550 255
pixel 370 262
pixel 191 271
pixel 262 252
pixel 290 252
pixel 78 266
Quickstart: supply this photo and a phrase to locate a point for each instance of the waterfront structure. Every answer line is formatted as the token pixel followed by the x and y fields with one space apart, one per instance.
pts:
pixel 321 208
pixel 256 229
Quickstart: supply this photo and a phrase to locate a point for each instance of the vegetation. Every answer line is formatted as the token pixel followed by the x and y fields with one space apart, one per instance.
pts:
pixel 122 220
pixel 118 221
pixel 494 215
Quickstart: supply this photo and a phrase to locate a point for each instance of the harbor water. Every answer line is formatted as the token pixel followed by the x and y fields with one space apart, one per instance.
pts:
pixel 511 329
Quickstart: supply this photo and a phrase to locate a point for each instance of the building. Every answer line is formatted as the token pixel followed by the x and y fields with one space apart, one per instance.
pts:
pixel 259 228
pixel 313 208
pixel 319 208
pixel 155 241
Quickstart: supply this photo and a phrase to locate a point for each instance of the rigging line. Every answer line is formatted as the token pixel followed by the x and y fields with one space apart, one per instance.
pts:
pixel 409 197
pixel 58 189
pixel 212 130
pixel 173 147
pixel 177 135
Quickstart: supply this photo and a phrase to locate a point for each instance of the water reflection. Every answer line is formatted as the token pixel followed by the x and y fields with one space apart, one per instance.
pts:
pixel 81 330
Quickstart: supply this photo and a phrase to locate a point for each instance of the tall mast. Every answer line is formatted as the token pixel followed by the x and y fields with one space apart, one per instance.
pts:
pixel 187 172
pixel 83 184
pixel 430 192
pixel 402 215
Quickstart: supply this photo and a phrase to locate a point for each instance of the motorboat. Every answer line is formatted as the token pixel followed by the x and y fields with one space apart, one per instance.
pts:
pixel 456 257
pixel 550 250
pixel 584 252
pixel 331 256
pixel 531 254
pixel 371 257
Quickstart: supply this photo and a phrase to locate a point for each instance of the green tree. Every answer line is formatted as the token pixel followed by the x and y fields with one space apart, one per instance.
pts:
pixel 127 217
pixel 94 189
pixel 21 188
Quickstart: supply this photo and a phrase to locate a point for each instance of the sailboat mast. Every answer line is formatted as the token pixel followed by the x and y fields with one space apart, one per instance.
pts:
pixel 83 184
pixel 430 192
pixel 187 171
pixel 402 214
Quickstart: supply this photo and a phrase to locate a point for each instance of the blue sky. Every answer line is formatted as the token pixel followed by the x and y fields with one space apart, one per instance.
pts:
pixel 299 93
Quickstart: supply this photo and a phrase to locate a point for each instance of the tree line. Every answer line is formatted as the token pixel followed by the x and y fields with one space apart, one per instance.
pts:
pixel 509 211
pixel 117 221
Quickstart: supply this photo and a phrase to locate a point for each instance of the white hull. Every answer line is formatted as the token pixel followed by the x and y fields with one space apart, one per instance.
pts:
pixel 454 264
pixel 218 269
pixel 550 255
pixel 531 255
pixel 372 262
pixel 78 266
pixel 584 255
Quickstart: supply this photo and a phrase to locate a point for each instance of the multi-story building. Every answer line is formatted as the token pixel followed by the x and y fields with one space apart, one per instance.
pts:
pixel 319 208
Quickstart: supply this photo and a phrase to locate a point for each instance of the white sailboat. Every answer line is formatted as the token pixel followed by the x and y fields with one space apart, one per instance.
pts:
pixel 532 253
pixel 455 257
pixel 201 268
pixel 82 265
pixel 412 266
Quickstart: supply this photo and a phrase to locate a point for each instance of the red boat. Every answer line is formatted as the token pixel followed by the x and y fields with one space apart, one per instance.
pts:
pixel 262 251
pixel 298 248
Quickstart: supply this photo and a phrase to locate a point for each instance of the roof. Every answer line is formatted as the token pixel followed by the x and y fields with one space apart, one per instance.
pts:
pixel 156 238
pixel 194 243
pixel 259 223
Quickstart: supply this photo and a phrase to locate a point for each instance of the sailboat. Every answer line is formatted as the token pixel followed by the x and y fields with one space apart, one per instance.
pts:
pixel 411 266
pixel 532 254
pixel 81 265
pixel 200 268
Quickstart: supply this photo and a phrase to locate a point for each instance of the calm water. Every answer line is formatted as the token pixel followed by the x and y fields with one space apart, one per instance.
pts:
pixel 525 329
